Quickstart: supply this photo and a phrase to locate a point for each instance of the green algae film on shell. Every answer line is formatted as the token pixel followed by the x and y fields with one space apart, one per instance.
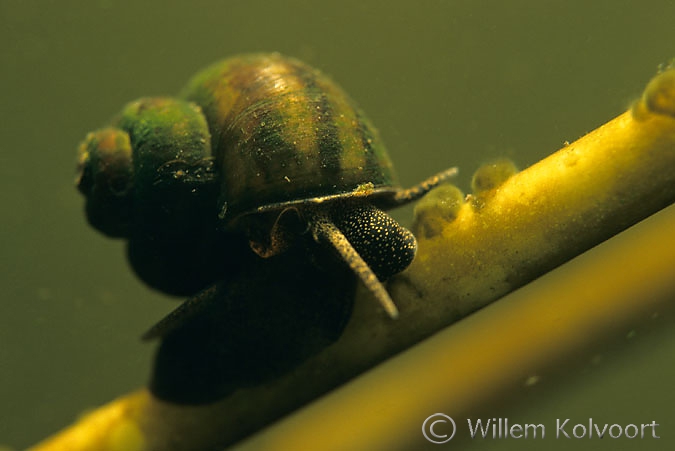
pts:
pixel 284 133
pixel 150 179
pixel 147 171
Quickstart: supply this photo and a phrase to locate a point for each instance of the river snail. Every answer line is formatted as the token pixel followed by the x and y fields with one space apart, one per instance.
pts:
pixel 262 147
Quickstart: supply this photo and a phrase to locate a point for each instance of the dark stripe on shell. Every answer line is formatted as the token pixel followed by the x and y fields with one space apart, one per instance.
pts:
pixel 256 127
pixel 327 134
pixel 367 139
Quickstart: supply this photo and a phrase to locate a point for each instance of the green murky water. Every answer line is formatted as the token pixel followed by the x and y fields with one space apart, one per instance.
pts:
pixel 446 82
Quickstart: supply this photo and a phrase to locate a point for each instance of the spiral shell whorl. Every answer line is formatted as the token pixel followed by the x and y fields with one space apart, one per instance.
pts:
pixel 147 170
pixel 150 179
pixel 105 177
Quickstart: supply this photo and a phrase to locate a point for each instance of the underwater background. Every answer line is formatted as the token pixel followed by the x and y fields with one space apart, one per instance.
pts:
pixel 446 82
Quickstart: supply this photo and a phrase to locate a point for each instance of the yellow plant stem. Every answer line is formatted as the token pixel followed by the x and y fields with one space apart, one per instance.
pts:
pixel 622 286
pixel 576 198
